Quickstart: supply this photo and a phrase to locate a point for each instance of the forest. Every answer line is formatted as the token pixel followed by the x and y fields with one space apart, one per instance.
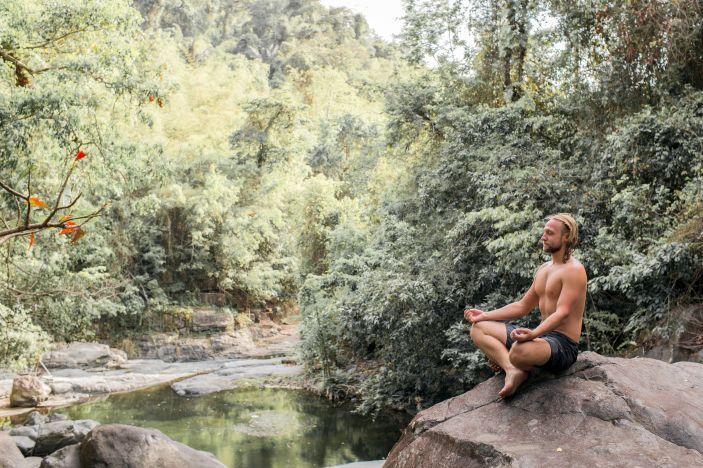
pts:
pixel 278 154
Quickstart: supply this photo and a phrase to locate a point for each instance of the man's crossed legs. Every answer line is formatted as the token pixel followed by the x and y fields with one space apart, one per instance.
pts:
pixel 492 338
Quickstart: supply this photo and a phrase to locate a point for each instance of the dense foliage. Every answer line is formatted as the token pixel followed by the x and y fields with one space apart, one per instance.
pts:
pixel 277 153
pixel 531 108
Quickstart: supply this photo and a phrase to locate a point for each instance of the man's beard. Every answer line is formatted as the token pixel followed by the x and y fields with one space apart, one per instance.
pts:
pixel 552 249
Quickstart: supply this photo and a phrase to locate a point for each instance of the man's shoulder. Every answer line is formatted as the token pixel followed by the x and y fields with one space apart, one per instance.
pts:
pixel 574 268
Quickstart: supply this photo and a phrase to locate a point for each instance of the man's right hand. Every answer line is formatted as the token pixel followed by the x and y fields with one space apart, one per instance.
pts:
pixel 474 315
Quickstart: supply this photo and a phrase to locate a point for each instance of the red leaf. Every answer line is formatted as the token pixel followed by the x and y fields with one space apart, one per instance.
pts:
pixel 80 155
pixel 37 202
pixel 32 238
pixel 78 235
pixel 68 230
pixel 151 98
pixel 65 218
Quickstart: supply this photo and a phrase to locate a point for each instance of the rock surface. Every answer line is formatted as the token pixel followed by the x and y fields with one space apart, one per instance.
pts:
pixel 25 444
pixel 10 455
pixel 55 435
pixel 120 445
pixel 232 350
pixel 212 319
pixel 83 355
pixel 28 391
pixel 231 374
pixel 67 457
pixel 600 412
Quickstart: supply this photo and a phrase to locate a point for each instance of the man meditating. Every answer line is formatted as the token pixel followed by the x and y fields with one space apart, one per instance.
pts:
pixel 559 288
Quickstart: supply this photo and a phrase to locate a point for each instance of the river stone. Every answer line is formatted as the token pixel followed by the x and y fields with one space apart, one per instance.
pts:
pixel 55 435
pixel 212 320
pixel 32 462
pixel 600 412
pixel 60 388
pixel 135 447
pixel 34 418
pixel 67 457
pixel 25 431
pixel 84 355
pixel 25 444
pixel 56 417
pixel 10 455
pixel 28 391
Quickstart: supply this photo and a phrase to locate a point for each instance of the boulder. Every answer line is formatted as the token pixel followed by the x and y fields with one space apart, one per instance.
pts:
pixel 34 418
pixel 212 320
pixel 25 444
pixel 56 417
pixel 25 431
pixel 28 391
pixel 121 445
pixel 67 457
pixel 84 355
pixel 601 412
pixel 32 462
pixel 10 455
pixel 55 435
pixel 678 338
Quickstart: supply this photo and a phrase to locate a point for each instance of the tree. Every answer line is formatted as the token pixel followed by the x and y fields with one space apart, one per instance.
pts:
pixel 24 203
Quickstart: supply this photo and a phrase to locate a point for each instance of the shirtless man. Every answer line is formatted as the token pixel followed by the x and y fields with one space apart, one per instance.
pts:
pixel 559 288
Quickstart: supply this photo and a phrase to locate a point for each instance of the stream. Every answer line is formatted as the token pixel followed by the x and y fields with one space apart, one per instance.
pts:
pixel 254 427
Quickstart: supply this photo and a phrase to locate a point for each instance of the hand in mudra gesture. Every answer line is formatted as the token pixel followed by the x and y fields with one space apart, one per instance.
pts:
pixel 521 335
pixel 474 315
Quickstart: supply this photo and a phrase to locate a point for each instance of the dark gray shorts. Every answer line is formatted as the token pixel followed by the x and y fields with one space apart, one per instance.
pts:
pixel 564 349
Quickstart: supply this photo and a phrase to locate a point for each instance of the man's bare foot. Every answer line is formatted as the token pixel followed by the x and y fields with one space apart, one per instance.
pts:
pixel 514 377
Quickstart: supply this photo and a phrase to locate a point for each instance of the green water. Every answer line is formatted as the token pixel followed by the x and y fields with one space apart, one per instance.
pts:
pixel 254 428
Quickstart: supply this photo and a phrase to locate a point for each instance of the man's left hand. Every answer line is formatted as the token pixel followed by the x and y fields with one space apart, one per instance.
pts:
pixel 521 335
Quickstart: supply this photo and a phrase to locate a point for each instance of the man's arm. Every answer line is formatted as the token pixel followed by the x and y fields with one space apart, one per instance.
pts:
pixel 515 310
pixel 572 291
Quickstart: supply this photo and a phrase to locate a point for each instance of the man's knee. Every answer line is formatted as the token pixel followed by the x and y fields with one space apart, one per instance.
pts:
pixel 519 355
pixel 477 329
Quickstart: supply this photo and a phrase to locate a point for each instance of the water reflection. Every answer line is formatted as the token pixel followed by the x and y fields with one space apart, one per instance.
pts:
pixel 255 428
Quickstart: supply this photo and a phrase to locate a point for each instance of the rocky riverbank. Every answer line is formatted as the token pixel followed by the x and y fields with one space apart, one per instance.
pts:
pixel 79 371
pixel 55 442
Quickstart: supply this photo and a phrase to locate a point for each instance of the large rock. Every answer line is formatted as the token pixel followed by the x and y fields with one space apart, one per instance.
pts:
pixel 212 320
pixel 84 355
pixel 32 462
pixel 10 455
pixel 127 446
pixel 601 412
pixel 55 435
pixel 28 391
pixel 34 418
pixel 67 457
pixel 680 338
pixel 25 444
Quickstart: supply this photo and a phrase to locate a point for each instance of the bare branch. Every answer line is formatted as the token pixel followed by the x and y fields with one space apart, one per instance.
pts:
pixel 29 194
pixel 56 39
pixel 19 211
pixel 14 192
pixel 9 57
pixel 58 197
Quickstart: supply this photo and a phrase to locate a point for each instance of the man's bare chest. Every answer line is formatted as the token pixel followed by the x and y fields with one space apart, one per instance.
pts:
pixel 548 283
